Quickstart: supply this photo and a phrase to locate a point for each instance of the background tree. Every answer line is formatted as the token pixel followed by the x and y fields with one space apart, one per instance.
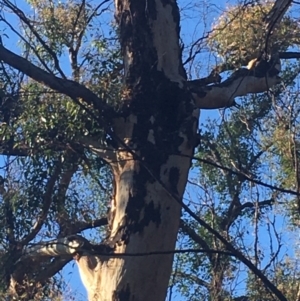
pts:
pixel 118 131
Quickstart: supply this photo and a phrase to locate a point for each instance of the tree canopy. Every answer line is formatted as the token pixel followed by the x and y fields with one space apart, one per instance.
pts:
pixel 103 161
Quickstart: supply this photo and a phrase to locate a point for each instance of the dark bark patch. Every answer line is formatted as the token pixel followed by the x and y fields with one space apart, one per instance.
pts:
pixel 139 211
pixel 133 212
pixel 166 2
pixel 123 294
pixel 174 178
pixel 199 91
pixel 152 214
pixel 151 10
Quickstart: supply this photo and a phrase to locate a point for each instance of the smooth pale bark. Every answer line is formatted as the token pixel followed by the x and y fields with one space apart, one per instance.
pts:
pixel 223 95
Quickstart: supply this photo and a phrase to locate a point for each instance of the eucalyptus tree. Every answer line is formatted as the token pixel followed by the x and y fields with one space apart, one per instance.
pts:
pixel 127 111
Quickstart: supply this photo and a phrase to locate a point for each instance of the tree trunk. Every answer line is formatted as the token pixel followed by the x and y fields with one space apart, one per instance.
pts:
pixel 156 138
pixel 144 218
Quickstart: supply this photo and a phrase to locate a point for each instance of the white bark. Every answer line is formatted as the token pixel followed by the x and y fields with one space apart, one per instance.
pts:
pixel 166 42
pixel 223 95
pixel 58 247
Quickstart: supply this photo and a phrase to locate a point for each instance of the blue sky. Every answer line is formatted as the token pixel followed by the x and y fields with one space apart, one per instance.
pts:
pixel 197 19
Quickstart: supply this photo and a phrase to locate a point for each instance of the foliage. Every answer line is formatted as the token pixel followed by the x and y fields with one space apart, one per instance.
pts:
pixel 54 179
pixel 257 141
pixel 238 36
pixel 57 180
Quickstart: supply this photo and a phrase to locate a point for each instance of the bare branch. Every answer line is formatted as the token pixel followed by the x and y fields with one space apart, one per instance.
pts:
pixel 276 14
pixel 274 17
pixel 273 187
pixel 230 66
pixel 235 211
pixel 47 200
pixel 76 244
pixel 65 179
pixel 194 236
pixel 237 254
pixel 87 23
pixel 192 277
pixel 32 48
pixel 81 226
pixel 64 86
pixel 58 247
pixel 242 82
pixel 53 268
pixel 289 55
pixel 22 17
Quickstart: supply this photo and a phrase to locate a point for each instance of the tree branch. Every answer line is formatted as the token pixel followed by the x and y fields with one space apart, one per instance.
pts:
pixel 47 200
pixel 229 66
pixel 276 14
pixel 9 149
pixel 65 179
pixel 195 237
pixel 68 87
pixel 240 83
pixel 106 153
pixel 22 17
pixel 51 269
pixel 59 247
pixel 81 226
pixel 235 211
pixel 237 254
pixel 289 55
pixel 193 278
